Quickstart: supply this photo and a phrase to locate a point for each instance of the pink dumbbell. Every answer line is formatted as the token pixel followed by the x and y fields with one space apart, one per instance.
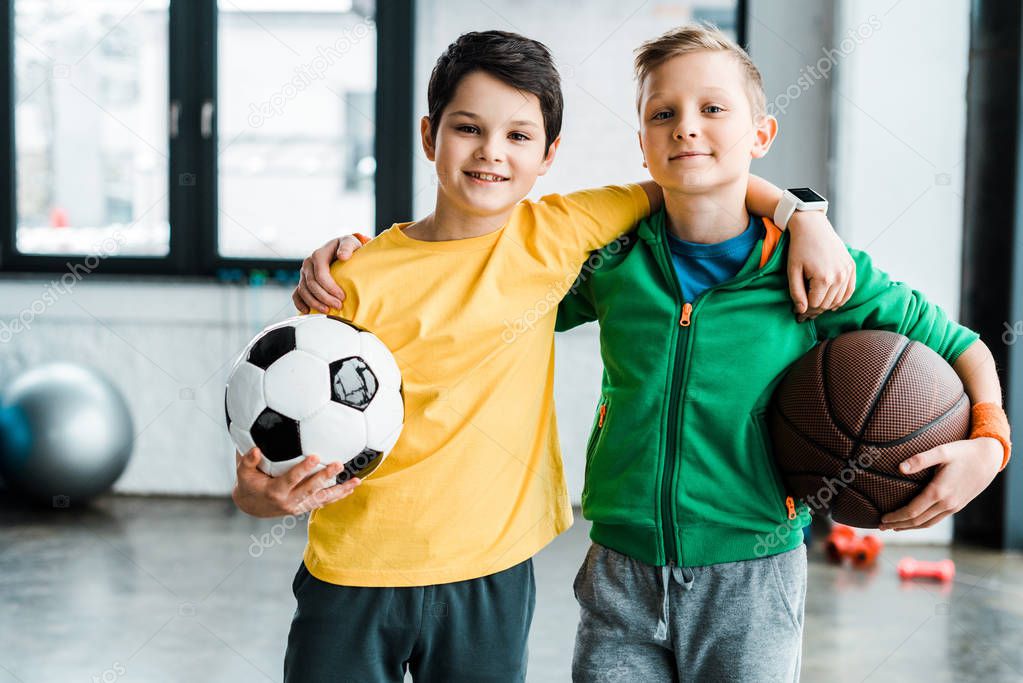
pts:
pixel 942 570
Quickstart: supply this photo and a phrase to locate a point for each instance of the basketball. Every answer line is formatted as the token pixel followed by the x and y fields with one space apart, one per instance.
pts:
pixel 849 412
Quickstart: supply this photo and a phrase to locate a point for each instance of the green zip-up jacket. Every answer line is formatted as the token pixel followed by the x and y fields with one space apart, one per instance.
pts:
pixel 679 467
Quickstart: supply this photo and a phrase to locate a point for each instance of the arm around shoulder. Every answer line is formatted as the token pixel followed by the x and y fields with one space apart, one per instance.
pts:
pixel 568 227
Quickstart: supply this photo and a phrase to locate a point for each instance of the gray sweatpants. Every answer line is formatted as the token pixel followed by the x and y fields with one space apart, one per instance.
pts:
pixel 734 621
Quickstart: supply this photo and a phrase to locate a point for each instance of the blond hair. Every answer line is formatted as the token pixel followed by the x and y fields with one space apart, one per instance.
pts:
pixel 699 38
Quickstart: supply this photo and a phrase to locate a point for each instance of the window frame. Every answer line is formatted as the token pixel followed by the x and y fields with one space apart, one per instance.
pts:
pixel 192 168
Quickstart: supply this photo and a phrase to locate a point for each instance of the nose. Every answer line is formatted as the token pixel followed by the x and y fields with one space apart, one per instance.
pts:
pixel 490 149
pixel 686 128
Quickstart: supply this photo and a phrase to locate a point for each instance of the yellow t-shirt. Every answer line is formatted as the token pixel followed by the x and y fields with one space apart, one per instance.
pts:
pixel 475 483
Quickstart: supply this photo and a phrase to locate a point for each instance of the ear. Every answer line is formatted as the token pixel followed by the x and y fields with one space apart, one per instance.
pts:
pixel 429 148
pixel 549 158
pixel 763 135
pixel 639 136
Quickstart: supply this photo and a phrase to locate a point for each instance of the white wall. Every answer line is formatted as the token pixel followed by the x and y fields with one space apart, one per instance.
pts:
pixel 167 347
pixel 900 113
pixel 785 38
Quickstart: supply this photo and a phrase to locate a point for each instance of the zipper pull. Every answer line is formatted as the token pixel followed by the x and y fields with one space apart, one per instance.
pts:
pixel 687 310
pixel 791 505
pixel 603 414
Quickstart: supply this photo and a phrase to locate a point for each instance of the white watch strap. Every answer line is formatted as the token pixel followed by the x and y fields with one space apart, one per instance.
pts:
pixel 786 207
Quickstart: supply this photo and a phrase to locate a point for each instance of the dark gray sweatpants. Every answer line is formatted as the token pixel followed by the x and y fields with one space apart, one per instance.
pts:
pixel 734 621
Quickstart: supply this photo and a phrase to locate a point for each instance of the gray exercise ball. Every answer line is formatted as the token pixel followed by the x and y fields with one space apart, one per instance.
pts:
pixel 65 434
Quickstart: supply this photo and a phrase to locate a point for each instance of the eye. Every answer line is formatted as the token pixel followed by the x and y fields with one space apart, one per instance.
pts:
pixel 466 128
pixel 519 137
pixel 661 116
pixel 713 109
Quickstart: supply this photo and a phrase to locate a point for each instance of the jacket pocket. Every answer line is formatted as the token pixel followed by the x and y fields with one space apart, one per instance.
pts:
pixel 599 422
pixel 766 450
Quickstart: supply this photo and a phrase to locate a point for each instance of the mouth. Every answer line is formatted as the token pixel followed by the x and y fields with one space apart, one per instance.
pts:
pixel 689 155
pixel 481 177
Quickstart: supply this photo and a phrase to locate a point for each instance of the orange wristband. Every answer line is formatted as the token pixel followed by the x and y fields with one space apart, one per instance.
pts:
pixel 359 236
pixel 989 420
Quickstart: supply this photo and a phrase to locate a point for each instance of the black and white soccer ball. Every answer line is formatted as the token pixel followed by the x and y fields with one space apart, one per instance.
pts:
pixel 316 384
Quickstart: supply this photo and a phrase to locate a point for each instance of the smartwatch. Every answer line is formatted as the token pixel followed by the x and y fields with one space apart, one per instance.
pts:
pixel 798 199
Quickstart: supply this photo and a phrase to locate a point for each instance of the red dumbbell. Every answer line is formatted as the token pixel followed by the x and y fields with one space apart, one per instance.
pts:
pixel 843 542
pixel 942 570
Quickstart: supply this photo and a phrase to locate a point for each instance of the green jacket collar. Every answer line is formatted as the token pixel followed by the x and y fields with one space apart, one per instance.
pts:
pixel 653 228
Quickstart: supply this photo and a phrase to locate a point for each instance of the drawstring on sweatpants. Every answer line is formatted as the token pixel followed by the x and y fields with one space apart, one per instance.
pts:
pixel 683 576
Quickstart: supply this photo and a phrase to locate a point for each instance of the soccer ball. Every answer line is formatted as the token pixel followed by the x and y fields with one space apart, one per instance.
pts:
pixel 315 384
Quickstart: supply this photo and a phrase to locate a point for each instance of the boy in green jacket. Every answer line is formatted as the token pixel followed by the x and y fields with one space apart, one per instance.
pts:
pixel 694 572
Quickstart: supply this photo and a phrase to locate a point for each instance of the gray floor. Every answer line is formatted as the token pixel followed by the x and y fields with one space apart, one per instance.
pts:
pixel 141 589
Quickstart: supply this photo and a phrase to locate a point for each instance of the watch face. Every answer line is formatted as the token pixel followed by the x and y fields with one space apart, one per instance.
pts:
pixel 806 194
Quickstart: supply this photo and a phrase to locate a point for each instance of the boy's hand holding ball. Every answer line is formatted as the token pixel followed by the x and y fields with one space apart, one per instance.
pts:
pixel 298 491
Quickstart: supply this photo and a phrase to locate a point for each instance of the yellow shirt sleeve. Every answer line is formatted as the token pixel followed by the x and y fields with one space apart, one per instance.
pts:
pixel 350 306
pixel 566 228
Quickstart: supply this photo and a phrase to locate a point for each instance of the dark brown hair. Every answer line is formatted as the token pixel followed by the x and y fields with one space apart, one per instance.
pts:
pixel 522 63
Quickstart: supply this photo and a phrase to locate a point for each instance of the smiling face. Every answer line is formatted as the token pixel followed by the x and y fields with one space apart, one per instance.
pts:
pixel 697 129
pixel 489 146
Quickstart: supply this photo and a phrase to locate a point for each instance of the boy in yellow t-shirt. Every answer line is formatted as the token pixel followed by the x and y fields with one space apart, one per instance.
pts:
pixel 428 566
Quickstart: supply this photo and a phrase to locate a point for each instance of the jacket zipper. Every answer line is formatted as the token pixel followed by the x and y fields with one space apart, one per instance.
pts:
pixel 667 499
pixel 674 421
pixel 684 343
pixel 668 519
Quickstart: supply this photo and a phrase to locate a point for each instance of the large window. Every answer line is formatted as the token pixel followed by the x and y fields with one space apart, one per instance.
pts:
pixel 296 124
pixel 193 136
pixel 90 110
